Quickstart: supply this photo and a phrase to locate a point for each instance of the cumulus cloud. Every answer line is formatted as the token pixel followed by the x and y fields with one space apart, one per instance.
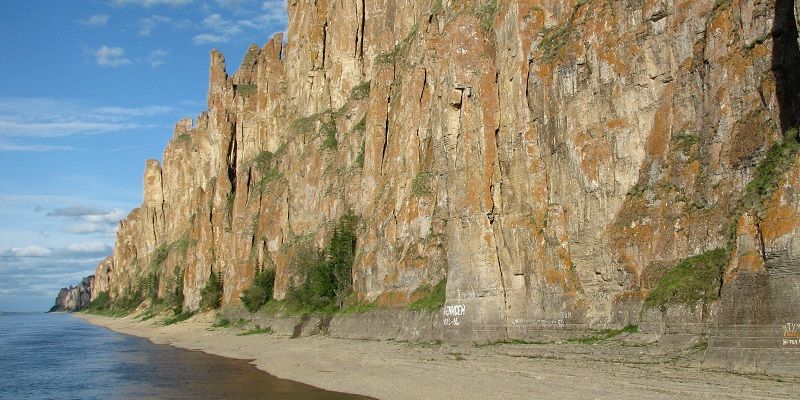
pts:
pixel 28 118
pixel 75 211
pixel 89 248
pixel 232 4
pixel 95 20
pixel 152 3
pixel 89 220
pixel 31 148
pixel 157 57
pixel 149 24
pixel 269 17
pixel 29 251
pixel 107 56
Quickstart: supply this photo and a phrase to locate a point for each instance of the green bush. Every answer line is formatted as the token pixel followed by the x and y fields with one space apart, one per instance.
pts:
pixel 328 131
pixel 100 302
pixel 779 159
pixel 257 331
pixel 400 50
pixel 260 291
pixel 360 91
pixel 153 282
pixel 605 334
pixel 359 161
pixel 486 14
pixel 129 299
pixel 421 185
pixel 433 298
pixel 179 317
pixel 245 89
pixel 327 276
pixel 175 294
pixel 211 293
pixel 694 279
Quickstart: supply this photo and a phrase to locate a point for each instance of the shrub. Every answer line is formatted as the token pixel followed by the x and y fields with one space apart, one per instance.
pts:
pixel 694 279
pixel 432 299
pixel 129 299
pixel 360 91
pixel 486 14
pixel 179 317
pixel 361 125
pixel 159 256
pixel 400 50
pixel 328 130
pixel 605 334
pixel 260 291
pixel 175 294
pixel 211 294
pixel 359 162
pixel 421 186
pixel 327 275
pixel 257 331
pixel 779 159
pixel 153 282
pixel 245 89
pixel 101 302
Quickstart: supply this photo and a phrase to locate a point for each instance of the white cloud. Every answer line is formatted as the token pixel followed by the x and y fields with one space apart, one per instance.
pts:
pixel 46 118
pixel 110 56
pixel 90 220
pixel 28 251
pixel 207 38
pixel 88 228
pixel 233 4
pixel 152 3
pixel 33 148
pixel 149 24
pixel 95 20
pixel 109 217
pixel 145 111
pixel 89 248
pixel 156 58
pixel 269 19
pixel 56 129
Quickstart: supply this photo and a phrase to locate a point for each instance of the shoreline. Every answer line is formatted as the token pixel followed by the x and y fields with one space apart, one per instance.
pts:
pixel 406 370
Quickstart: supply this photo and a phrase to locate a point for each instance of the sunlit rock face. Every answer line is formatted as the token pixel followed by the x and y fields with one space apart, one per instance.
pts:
pixel 74 298
pixel 551 159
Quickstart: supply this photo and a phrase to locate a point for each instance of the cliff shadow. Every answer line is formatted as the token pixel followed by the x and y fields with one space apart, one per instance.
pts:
pixel 786 63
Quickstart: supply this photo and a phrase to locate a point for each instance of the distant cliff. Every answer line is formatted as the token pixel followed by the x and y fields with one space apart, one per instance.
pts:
pixel 562 164
pixel 74 298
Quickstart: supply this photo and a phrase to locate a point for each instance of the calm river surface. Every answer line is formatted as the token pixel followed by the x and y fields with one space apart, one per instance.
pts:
pixel 58 356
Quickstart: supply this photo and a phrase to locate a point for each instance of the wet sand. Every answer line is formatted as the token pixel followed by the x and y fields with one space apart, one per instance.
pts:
pixel 404 370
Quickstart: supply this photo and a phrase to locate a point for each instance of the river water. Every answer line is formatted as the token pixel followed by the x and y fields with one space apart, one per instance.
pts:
pixel 59 356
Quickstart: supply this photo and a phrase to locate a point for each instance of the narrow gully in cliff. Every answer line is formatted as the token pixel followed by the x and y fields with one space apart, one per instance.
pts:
pixel 786 63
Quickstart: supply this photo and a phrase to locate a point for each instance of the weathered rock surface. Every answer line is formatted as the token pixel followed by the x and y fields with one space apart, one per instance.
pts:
pixel 75 298
pixel 551 159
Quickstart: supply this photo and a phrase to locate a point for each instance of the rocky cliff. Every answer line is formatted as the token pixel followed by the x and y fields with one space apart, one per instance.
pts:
pixel 562 164
pixel 74 298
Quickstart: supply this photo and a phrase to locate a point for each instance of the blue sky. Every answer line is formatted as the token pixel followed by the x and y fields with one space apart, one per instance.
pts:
pixel 89 90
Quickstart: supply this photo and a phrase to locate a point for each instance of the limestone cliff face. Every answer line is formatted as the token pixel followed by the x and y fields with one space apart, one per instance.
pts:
pixel 75 298
pixel 551 159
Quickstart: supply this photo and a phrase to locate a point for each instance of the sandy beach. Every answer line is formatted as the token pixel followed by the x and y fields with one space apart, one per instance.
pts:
pixel 406 370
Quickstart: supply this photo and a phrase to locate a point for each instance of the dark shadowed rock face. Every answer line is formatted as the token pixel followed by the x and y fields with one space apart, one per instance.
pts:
pixel 74 298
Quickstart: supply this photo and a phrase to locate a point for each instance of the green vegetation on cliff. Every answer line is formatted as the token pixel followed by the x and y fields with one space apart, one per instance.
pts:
pixel 694 279
pixel 432 299
pixel 768 174
pixel 328 275
pixel 211 294
pixel 260 291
